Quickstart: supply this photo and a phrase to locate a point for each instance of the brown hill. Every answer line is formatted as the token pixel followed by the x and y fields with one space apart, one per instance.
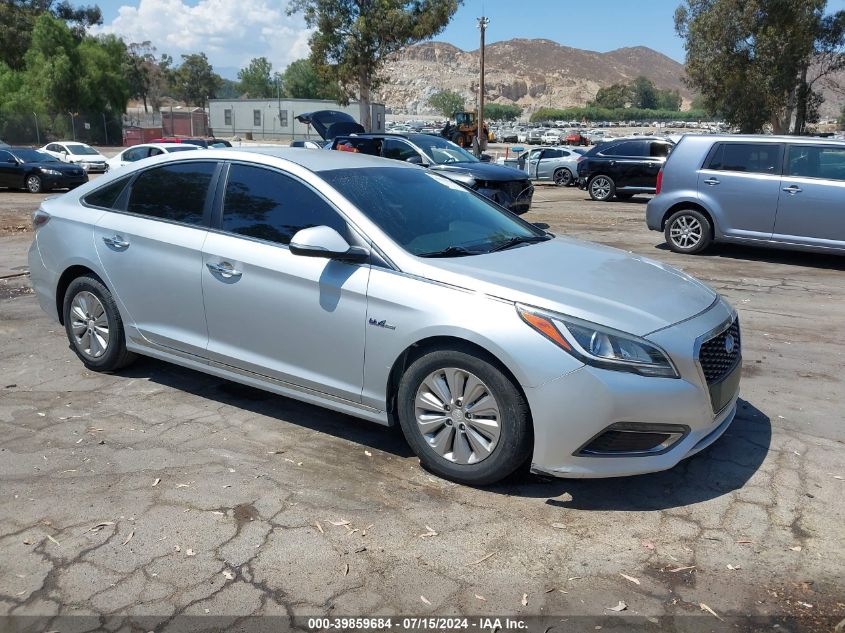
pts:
pixel 530 73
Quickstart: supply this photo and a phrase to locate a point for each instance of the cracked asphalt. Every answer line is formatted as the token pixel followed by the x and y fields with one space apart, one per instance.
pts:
pixel 160 492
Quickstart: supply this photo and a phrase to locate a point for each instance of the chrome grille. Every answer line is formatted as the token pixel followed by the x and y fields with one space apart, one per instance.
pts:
pixel 716 361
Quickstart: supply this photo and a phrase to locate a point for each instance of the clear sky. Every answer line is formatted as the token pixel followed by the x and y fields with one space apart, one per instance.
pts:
pixel 233 31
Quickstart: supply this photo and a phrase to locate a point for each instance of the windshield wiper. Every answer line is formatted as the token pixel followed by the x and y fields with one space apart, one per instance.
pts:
pixel 517 240
pixel 450 251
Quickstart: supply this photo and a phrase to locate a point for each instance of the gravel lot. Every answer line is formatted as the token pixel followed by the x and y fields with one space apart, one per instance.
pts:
pixel 163 492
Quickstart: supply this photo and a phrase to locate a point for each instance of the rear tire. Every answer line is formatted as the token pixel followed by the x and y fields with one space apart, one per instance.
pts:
pixel 93 325
pixel 601 188
pixel 563 177
pixel 478 448
pixel 688 231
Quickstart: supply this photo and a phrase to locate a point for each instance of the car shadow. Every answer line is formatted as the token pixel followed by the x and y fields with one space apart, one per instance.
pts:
pixel 271 405
pixel 770 255
pixel 721 468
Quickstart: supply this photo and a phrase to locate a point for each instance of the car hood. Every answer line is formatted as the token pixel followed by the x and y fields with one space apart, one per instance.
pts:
pixel 584 280
pixel 68 168
pixel 331 123
pixel 481 171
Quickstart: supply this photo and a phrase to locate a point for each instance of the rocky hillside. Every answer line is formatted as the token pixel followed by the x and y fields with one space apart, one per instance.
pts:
pixel 530 73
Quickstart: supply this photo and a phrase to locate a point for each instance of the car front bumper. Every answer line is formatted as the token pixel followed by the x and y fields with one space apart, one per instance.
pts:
pixel 65 181
pixel 572 411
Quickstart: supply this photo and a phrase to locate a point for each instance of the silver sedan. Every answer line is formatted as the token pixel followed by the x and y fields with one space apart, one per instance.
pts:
pixel 390 293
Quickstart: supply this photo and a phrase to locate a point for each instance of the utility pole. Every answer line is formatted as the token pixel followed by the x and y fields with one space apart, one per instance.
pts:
pixel 483 22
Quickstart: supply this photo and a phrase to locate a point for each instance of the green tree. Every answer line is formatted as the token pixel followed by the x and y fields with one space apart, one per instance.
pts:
pixel 756 61
pixel 256 80
pixel 301 81
pixel 146 75
pixel 52 66
pixel 195 81
pixel 668 100
pixel 18 18
pixel 615 96
pixel 501 112
pixel 643 94
pixel 354 38
pixel 447 102
pixel 101 79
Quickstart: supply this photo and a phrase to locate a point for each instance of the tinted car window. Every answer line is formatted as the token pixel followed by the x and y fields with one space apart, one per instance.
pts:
pixel 816 162
pixel 757 158
pixel 267 205
pixel 136 153
pixel 6 157
pixel 659 150
pixel 628 148
pixel 398 150
pixel 174 192
pixel 107 196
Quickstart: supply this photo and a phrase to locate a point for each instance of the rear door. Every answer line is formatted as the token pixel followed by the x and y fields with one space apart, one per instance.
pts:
pixel 549 161
pixel 151 250
pixel 740 182
pixel 624 163
pixel 811 209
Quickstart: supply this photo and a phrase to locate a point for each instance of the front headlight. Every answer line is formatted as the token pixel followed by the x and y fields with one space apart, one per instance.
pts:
pixel 600 346
pixel 51 172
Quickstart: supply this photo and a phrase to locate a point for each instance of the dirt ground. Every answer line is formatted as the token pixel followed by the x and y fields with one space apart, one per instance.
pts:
pixel 159 493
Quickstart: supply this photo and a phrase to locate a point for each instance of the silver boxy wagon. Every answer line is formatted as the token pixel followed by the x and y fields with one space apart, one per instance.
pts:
pixel 785 191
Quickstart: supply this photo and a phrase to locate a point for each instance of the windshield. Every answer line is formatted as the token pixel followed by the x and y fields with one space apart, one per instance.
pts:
pixel 441 151
pixel 426 213
pixel 82 150
pixel 34 156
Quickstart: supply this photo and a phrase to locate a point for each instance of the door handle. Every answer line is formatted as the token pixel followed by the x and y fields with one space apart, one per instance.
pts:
pixel 712 181
pixel 792 189
pixel 116 241
pixel 224 269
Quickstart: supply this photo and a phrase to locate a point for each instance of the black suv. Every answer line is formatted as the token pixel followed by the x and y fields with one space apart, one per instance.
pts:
pixel 506 186
pixel 623 167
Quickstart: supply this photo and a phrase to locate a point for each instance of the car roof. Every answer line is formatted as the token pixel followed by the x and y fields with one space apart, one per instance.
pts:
pixel 767 138
pixel 316 161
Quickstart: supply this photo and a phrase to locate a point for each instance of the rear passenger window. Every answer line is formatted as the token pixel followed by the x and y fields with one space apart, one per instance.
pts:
pixel 270 206
pixel 173 192
pixel 106 197
pixel 816 162
pixel 629 148
pixel 659 150
pixel 756 158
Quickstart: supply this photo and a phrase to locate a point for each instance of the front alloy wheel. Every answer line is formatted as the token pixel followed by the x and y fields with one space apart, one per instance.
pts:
pixel 33 184
pixel 463 416
pixel 602 188
pixel 457 415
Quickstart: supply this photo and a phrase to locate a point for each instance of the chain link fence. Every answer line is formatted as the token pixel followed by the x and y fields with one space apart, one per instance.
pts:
pixel 38 129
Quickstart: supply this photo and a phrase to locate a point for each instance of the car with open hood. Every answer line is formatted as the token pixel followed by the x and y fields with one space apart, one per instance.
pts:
pixel 393 294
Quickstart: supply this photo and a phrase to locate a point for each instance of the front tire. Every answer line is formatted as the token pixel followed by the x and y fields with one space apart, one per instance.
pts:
pixel 33 184
pixel 563 177
pixel 464 418
pixel 688 231
pixel 601 188
pixel 93 325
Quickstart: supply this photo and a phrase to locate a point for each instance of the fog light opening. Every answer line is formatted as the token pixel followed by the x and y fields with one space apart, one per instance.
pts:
pixel 632 439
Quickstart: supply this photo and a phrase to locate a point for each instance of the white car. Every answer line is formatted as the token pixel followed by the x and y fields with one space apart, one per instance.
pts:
pixel 146 150
pixel 79 154
pixel 553 137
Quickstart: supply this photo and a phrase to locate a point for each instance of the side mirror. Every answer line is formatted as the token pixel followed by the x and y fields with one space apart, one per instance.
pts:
pixel 485 158
pixel 325 242
pixel 414 160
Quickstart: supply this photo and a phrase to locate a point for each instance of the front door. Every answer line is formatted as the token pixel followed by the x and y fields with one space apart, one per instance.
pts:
pixel 533 162
pixel 11 174
pixel 740 182
pixel 297 319
pixel 152 254
pixel 811 209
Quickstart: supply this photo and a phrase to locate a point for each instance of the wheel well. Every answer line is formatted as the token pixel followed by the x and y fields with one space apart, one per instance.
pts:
pixel 64 281
pixel 688 205
pixel 435 343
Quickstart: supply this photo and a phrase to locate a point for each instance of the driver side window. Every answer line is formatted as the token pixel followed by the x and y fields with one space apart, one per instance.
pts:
pixel 398 150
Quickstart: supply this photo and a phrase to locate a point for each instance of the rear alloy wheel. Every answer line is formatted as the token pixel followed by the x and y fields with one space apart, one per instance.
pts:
pixel 688 231
pixel 601 188
pixel 33 184
pixel 563 177
pixel 93 325
pixel 464 418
